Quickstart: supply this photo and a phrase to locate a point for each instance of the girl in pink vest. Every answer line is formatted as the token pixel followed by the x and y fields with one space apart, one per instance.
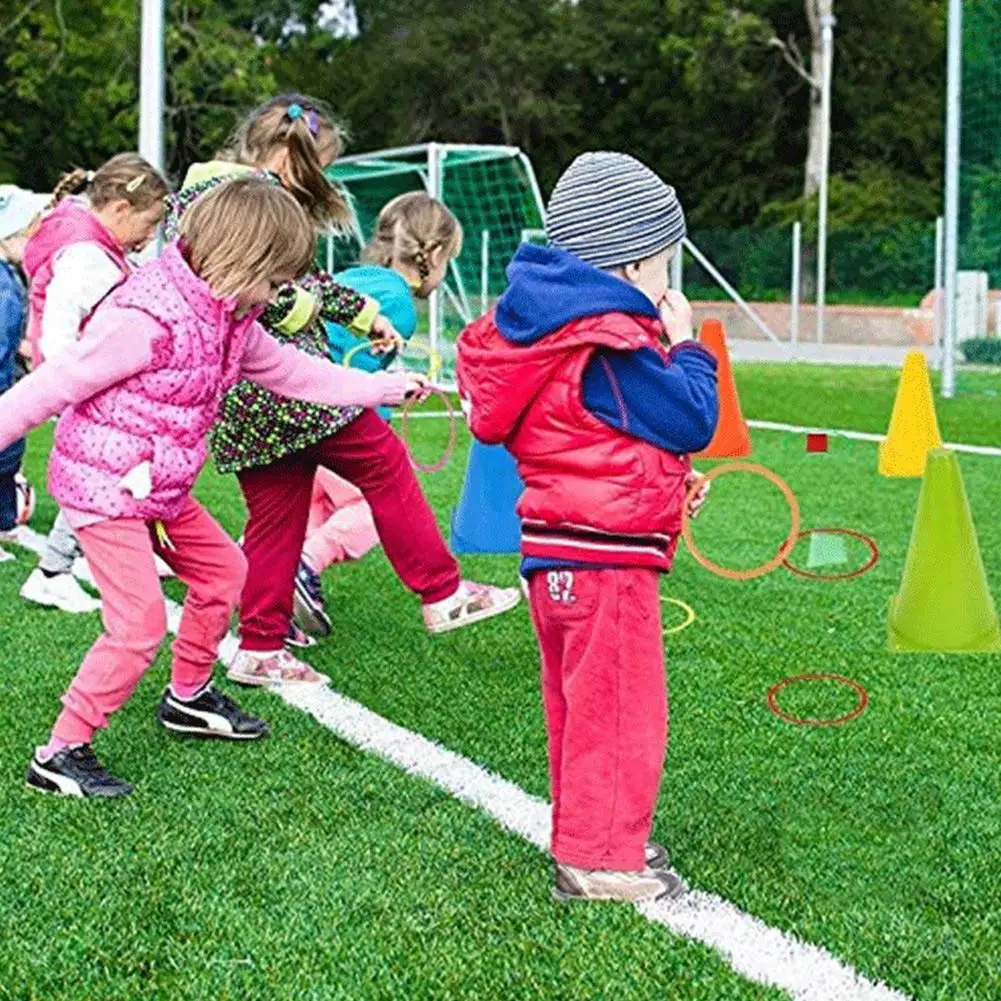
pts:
pixel 75 258
pixel 138 393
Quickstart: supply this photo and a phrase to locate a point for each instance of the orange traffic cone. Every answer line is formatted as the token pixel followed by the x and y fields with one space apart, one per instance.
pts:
pixel 732 439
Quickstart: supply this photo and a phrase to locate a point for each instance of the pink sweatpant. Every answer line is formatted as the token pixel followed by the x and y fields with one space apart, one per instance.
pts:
pixel 340 523
pixel 120 555
pixel 604 692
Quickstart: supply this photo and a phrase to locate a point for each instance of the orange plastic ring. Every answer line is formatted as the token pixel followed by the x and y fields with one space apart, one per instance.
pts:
pixel 784 550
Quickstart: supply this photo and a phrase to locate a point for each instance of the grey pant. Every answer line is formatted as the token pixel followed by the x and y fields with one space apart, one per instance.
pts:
pixel 61 549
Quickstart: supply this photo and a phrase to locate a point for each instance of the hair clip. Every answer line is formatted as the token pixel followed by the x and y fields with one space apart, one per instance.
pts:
pixel 90 176
pixel 135 184
pixel 296 111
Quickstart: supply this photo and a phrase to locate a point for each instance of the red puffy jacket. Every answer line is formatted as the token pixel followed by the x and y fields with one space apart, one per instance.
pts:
pixel 592 494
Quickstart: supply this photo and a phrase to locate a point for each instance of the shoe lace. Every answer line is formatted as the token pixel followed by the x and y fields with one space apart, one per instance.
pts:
pixel 85 758
pixel 218 700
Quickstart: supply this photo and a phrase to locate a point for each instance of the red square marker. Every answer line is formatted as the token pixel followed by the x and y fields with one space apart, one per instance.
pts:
pixel 816 442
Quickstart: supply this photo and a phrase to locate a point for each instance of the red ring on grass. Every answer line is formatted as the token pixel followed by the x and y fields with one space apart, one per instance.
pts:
pixel 851 533
pixel 863 697
pixel 452 433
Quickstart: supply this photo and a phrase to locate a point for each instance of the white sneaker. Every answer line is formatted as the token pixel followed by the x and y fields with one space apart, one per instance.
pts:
pixel 604 884
pixel 526 587
pixel 471 603
pixel 62 591
pixel 278 668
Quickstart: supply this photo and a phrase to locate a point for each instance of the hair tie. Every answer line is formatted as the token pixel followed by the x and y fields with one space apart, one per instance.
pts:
pixel 296 111
pixel 421 260
pixel 90 176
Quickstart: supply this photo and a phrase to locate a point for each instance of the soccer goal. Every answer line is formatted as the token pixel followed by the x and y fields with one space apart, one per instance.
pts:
pixel 494 194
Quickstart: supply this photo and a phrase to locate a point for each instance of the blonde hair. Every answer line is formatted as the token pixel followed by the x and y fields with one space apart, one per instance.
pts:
pixel 247 231
pixel 304 127
pixel 126 176
pixel 409 229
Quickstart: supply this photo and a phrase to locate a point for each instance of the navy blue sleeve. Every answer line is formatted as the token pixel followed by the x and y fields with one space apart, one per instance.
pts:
pixel 672 404
pixel 12 309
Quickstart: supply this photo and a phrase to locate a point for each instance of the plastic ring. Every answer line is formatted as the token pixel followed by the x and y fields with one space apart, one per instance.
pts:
pixel 452 434
pixel 434 359
pixel 861 536
pixel 786 547
pixel 689 615
pixel 863 699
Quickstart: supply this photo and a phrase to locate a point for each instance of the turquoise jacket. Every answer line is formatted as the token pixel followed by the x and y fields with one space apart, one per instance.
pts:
pixel 396 303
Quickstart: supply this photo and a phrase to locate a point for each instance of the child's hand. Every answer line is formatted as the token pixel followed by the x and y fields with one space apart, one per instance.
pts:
pixel 418 387
pixel 700 495
pixel 385 336
pixel 676 315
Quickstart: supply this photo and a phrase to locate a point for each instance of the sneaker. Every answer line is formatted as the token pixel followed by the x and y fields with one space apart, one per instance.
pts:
pixel 310 610
pixel 277 668
pixel 471 603
pixel 75 771
pixel 211 714
pixel 526 587
pixel 62 591
pixel 297 639
pixel 656 856
pixel 163 571
pixel 608 884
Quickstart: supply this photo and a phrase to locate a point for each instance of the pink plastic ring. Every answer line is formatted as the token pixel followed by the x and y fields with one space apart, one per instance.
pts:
pixel 452 433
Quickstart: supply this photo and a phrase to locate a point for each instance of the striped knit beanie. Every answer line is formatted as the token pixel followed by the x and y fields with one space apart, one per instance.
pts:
pixel 610 210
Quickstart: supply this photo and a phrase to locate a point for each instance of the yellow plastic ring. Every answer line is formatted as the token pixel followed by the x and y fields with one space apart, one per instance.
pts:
pixel 689 615
pixel 434 359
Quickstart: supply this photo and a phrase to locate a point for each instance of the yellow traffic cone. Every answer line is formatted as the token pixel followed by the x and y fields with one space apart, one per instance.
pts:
pixel 943 605
pixel 914 426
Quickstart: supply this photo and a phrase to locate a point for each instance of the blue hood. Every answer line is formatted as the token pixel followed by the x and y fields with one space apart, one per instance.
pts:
pixel 550 288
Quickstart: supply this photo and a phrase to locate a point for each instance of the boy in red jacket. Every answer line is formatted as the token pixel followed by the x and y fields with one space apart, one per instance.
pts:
pixel 571 373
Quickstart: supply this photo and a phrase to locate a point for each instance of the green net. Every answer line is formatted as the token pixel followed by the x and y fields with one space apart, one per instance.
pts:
pixel 493 195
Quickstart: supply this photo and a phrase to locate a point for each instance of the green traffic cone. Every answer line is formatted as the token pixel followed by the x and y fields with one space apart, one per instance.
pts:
pixel 943 605
pixel 826 550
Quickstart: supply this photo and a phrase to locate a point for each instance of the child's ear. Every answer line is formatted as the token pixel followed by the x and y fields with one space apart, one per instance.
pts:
pixel 632 272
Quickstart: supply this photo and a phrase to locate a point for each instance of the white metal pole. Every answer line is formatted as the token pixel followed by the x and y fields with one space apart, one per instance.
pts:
pixel 484 272
pixel 151 89
pixel 434 190
pixel 797 278
pixel 939 292
pixel 952 115
pixel 827 23
pixel 151 84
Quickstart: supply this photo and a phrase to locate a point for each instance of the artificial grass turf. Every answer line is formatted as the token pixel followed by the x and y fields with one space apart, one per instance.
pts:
pixel 340 877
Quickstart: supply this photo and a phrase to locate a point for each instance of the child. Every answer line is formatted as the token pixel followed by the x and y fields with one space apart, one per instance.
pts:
pixel 74 259
pixel 397 269
pixel 275 445
pixel 138 394
pixel 18 209
pixel 571 375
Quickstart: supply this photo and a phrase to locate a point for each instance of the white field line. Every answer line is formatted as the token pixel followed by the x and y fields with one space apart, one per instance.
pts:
pixel 797 429
pixel 758 952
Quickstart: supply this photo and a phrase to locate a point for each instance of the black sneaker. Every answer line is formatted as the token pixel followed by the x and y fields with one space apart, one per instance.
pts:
pixel 75 771
pixel 310 609
pixel 212 714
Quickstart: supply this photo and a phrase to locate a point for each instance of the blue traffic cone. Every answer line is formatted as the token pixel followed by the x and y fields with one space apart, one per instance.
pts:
pixel 485 520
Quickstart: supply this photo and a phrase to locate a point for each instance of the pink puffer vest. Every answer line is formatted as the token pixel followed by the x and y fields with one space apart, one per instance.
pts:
pixel 163 414
pixel 70 222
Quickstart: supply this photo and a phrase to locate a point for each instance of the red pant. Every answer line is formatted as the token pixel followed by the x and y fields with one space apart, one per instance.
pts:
pixel 368 454
pixel 605 696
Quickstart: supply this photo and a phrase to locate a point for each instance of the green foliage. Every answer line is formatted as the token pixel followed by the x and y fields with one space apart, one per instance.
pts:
pixel 696 90
pixel 73 93
pixel 982 350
